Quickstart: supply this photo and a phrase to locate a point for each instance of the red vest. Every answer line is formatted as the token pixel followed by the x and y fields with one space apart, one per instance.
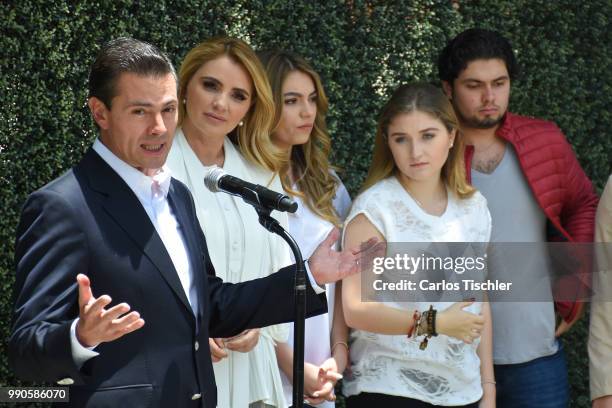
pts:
pixel 559 185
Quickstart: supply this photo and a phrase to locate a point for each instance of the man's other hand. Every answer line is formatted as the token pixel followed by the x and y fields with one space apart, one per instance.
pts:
pixel 97 324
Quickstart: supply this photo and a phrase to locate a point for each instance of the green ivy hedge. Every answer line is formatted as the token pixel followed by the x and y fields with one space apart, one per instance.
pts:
pixel 362 49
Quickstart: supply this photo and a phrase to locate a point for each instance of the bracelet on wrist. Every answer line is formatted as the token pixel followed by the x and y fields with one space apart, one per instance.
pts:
pixel 416 315
pixel 427 326
pixel 417 324
pixel 338 343
pixel 434 332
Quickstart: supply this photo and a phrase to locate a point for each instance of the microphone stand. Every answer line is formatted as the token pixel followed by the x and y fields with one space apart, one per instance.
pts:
pixel 273 226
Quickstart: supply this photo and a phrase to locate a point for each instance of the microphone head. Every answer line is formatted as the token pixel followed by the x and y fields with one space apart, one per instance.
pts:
pixel 212 177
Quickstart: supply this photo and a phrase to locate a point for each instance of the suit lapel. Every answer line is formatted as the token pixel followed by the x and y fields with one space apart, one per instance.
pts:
pixel 123 206
pixel 188 224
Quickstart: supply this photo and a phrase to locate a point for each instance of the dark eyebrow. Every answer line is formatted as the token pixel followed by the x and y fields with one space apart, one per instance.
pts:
pixel 137 102
pixel 398 134
pixel 145 104
pixel 428 129
pixel 503 77
pixel 292 93
pixel 420 131
pixel 207 78
pixel 216 81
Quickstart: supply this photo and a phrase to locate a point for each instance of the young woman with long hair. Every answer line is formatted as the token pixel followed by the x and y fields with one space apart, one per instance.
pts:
pixel 416 192
pixel 300 132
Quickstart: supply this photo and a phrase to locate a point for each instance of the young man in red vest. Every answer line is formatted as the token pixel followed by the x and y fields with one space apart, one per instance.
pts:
pixel 537 192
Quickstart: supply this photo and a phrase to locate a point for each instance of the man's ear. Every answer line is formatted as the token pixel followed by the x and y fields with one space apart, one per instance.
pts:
pixel 448 89
pixel 99 112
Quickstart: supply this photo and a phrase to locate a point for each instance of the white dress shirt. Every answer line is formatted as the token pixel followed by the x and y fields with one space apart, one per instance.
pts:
pixel 152 192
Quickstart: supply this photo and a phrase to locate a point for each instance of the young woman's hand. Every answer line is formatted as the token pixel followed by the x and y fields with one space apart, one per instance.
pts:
pixel 244 342
pixel 217 349
pixel 319 382
pixel 456 322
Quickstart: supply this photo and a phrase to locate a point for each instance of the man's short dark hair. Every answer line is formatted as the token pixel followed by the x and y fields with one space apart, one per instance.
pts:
pixel 473 44
pixel 125 55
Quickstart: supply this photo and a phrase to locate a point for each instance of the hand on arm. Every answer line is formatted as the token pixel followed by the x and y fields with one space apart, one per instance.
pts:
pixel 97 324
pixel 457 323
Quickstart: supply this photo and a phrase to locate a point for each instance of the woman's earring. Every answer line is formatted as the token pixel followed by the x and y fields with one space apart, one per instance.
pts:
pixel 240 123
pixel 184 101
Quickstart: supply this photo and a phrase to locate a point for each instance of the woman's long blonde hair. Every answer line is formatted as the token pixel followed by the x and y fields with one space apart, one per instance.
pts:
pixel 425 98
pixel 253 137
pixel 308 162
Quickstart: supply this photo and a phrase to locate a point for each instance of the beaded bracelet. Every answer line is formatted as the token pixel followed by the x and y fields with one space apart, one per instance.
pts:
pixel 417 329
pixel 430 331
pixel 431 322
pixel 434 332
pixel 415 318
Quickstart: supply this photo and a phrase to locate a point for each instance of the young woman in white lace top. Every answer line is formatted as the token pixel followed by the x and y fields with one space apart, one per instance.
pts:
pixel 416 192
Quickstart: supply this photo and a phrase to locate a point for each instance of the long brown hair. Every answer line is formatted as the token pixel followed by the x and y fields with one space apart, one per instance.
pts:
pixel 310 161
pixel 253 137
pixel 425 98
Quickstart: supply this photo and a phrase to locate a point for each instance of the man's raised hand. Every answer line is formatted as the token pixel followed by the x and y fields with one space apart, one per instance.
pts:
pixel 328 265
pixel 97 324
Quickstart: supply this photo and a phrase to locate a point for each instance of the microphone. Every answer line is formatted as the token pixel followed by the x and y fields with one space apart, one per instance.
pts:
pixel 217 180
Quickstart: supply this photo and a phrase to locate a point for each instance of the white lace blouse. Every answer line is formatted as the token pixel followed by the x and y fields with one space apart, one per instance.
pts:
pixel 447 372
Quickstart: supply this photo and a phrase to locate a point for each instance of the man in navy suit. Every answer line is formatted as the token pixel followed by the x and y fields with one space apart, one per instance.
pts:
pixel 119 221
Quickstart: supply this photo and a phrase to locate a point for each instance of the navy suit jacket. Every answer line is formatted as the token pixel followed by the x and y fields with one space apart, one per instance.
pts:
pixel 89 221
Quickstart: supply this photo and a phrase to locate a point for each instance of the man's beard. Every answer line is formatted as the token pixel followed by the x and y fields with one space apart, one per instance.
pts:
pixel 475 123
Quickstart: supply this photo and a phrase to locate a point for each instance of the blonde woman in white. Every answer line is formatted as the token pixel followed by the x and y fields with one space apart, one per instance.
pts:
pixel 225 119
